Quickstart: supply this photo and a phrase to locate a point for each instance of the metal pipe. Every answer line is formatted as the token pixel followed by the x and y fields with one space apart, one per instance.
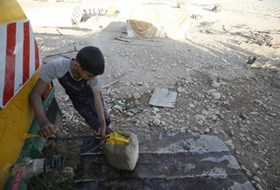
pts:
pixel 17 179
pixel 34 167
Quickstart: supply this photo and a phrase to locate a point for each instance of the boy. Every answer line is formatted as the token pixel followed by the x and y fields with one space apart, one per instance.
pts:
pixel 79 78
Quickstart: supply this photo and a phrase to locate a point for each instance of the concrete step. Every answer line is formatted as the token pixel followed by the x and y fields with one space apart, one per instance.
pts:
pixel 168 161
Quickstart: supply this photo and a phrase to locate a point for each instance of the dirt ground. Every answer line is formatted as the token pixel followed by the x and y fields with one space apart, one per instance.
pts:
pixel 220 91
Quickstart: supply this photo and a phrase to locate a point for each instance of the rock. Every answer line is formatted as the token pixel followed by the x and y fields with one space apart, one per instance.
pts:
pixel 251 59
pixel 244 130
pixel 215 84
pixel 256 166
pixel 239 153
pixel 67 174
pixel 118 107
pixel 155 110
pixel 199 119
pixel 257 179
pixel 207 130
pixel 157 116
pixel 230 144
pixel 205 112
pixel 136 95
pixel 180 89
pixel 248 173
pixel 156 122
pixel 259 187
pixel 216 95
pixel 256 65
pixel 162 123
pixel 209 92
pixel 192 105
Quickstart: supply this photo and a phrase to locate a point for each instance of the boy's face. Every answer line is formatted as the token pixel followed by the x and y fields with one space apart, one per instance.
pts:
pixel 86 75
pixel 83 73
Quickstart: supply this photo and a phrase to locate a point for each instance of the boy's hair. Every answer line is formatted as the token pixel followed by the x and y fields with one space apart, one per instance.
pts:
pixel 91 59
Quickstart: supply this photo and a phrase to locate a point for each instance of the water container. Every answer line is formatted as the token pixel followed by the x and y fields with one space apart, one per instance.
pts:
pixel 121 150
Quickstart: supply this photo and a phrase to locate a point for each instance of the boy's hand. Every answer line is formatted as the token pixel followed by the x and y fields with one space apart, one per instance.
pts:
pixel 47 130
pixel 101 131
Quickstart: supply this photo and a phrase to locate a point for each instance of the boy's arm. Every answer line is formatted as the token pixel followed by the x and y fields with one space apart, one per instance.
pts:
pixel 100 113
pixel 47 128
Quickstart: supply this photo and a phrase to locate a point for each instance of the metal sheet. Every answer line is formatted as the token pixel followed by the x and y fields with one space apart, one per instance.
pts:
pixel 163 97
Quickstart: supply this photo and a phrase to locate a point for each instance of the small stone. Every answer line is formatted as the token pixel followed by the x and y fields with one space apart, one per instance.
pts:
pixel 207 130
pixel 180 89
pixel 183 130
pixel 257 179
pixel 157 116
pixel 205 112
pixel 67 174
pixel 191 105
pixel 215 84
pixel 216 95
pixel 136 95
pixel 155 110
pixel 259 187
pixel 229 143
pixel 199 119
pixel 244 130
pixel 118 107
pixel 256 165
pixel 156 122
pixel 69 171
pixel 256 65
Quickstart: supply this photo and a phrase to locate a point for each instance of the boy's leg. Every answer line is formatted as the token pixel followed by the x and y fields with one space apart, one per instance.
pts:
pixel 88 112
pixel 92 119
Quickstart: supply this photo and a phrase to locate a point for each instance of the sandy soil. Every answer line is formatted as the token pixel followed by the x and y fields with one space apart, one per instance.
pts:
pixel 219 93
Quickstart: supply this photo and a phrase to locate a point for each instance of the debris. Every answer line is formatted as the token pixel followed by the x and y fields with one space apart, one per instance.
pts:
pixel 66 175
pixel 156 122
pixel 251 59
pixel 217 8
pixel 61 54
pixel 196 16
pixel 126 106
pixel 136 95
pixel 256 65
pixel 215 84
pixel 59 32
pixel 122 40
pixel 180 89
pixel 111 83
pixel 163 97
pixel 274 45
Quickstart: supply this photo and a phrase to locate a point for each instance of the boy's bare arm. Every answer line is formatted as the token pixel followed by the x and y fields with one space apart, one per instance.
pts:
pixel 100 113
pixel 47 128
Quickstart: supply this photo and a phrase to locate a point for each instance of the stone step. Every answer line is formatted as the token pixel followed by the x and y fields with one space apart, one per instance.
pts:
pixel 168 162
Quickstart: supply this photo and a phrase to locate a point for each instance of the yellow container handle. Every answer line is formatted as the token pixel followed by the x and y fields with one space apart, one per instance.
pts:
pixel 116 138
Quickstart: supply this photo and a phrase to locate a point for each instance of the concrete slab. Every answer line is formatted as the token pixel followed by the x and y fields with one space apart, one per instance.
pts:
pixel 163 97
pixel 176 161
